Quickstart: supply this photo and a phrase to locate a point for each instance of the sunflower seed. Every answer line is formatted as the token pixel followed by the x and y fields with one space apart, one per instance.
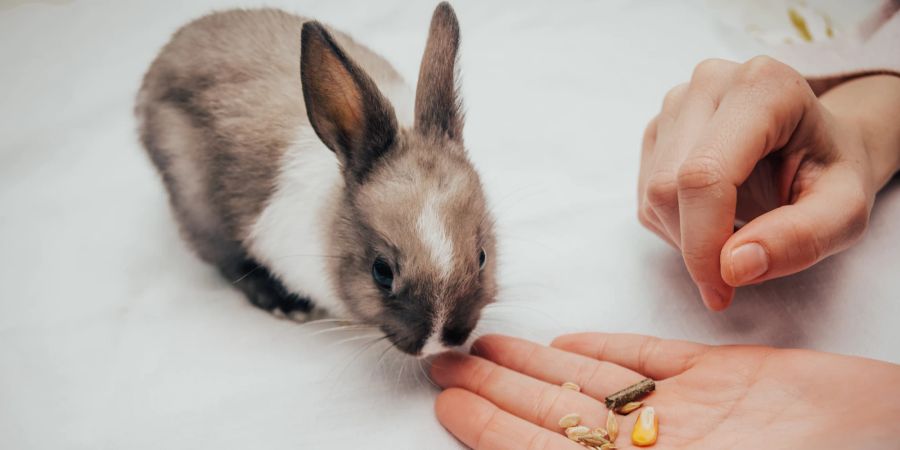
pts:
pixel 571 386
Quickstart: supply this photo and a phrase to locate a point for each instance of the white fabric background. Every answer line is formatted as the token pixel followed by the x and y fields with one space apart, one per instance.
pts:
pixel 113 335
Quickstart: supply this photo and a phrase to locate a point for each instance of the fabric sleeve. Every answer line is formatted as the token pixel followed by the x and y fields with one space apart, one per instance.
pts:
pixel 826 66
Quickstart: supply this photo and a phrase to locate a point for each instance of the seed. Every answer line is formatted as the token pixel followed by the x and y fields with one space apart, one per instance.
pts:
pixel 575 433
pixel 571 386
pixel 612 426
pixel 569 420
pixel 592 439
pixel 630 394
pixel 609 446
pixel 600 432
pixel 627 408
pixel 646 428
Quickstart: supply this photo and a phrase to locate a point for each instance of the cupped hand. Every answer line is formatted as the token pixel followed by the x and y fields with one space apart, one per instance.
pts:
pixel 507 394
pixel 752 144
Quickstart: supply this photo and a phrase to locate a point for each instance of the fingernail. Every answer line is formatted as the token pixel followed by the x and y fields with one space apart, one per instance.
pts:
pixel 748 262
pixel 711 297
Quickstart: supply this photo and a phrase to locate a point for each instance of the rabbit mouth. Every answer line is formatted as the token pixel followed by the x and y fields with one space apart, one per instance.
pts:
pixel 426 344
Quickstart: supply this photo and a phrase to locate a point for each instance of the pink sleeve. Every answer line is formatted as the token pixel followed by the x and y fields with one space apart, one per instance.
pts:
pixel 829 65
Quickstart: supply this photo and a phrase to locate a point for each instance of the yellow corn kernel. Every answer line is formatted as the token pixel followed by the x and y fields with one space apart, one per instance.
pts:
pixel 646 428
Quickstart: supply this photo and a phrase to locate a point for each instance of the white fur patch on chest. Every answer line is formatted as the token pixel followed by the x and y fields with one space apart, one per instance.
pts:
pixel 291 235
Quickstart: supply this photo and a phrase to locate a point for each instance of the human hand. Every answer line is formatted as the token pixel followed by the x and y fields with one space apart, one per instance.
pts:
pixel 507 395
pixel 751 143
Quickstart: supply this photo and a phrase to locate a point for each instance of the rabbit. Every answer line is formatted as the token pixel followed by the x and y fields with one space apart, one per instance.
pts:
pixel 300 164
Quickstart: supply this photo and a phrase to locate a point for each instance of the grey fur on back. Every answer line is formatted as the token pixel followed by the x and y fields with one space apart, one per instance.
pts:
pixel 217 110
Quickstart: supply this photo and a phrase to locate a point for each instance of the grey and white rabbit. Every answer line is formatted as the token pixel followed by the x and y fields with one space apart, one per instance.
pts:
pixel 295 163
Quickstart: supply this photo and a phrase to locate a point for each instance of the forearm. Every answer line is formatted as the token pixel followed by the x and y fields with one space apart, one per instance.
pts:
pixel 871 105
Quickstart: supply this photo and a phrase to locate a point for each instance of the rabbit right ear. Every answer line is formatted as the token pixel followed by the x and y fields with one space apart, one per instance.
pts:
pixel 344 105
pixel 438 109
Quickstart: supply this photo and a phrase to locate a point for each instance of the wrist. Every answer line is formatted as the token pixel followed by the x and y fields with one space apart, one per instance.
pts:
pixel 884 161
pixel 879 162
pixel 864 110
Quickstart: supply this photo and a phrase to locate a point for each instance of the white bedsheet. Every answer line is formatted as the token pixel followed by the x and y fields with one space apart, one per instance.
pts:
pixel 114 336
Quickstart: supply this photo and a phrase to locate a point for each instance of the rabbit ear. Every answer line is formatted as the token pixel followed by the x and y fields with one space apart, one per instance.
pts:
pixel 438 108
pixel 344 105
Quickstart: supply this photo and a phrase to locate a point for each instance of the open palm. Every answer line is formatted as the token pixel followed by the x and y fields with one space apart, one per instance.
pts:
pixel 507 394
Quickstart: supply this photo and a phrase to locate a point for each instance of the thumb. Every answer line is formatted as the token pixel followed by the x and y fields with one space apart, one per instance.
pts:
pixel 826 218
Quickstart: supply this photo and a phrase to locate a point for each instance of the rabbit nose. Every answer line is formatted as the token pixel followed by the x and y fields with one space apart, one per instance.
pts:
pixel 456 336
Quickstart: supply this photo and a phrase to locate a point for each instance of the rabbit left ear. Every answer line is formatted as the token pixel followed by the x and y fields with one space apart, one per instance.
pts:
pixel 343 104
pixel 438 108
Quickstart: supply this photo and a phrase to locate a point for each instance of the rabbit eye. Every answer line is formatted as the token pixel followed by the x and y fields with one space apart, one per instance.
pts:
pixel 382 274
pixel 482 258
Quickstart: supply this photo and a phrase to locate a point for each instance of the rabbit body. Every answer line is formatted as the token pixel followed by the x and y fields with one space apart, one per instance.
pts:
pixel 302 180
